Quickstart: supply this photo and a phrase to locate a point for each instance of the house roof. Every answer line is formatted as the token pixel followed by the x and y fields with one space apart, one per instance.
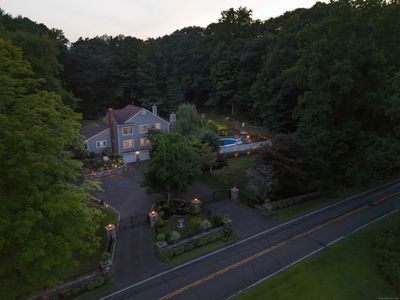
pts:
pixel 93 128
pixel 123 115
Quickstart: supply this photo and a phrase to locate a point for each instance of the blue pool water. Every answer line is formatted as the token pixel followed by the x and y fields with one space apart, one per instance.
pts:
pixel 229 141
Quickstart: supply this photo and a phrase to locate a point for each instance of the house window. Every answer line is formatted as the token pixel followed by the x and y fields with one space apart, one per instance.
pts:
pixel 127 130
pixel 101 144
pixel 128 144
pixel 157 126
pixel 144 141
pixel 86 146
pixel 143 128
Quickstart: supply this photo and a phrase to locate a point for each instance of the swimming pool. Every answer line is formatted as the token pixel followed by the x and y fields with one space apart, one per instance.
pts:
pixel 229 142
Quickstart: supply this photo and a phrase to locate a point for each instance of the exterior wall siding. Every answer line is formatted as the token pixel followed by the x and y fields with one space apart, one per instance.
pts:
pixel 91 142
pixel 135 121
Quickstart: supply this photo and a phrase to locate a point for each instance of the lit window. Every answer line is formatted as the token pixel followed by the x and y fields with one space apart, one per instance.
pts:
pixel 101 144
pixel 127 130
pixel 157 126
pixel 128 144
pixel 144 141
pixel 143 128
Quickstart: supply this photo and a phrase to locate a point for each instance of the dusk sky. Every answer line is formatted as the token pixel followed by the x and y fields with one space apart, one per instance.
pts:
pixel 139 18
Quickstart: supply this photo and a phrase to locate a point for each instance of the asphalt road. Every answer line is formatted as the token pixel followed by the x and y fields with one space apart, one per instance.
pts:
pixel 224 273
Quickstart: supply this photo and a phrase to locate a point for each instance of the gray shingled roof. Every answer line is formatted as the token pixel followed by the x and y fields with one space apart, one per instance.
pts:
pixel 93 128
pixel 123 115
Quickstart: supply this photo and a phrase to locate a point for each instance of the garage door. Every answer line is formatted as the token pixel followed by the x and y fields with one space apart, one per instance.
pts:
pixel 128 157
pixel 132 157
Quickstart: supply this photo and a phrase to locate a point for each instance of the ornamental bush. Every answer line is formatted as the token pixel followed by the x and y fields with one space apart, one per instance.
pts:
pixel 216 220
pixel 160 237
pixel 179 250
pixel 173 236
pixel 189 246
pixel 160 222
pixel 205 225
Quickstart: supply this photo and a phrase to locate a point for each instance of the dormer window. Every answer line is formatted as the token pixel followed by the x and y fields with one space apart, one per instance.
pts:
pixel 127 130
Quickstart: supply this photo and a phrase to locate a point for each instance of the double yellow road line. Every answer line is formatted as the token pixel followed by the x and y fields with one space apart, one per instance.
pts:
pixel 274 247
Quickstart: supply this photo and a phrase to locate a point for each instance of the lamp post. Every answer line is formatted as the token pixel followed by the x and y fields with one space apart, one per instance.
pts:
pixel 196 203
pixel 153 217
pixel 111 233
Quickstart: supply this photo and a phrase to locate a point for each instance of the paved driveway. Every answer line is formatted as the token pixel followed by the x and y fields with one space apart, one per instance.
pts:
pixel 125 193
pixel 134 257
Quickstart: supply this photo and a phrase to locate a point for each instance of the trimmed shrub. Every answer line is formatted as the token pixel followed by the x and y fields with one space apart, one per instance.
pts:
pixel 179 250
pixel 166 256
pixel 193 210
pixel 201 241
pixel 205 225
pixel 211 125
pixel 216 220
pixel 189 246
pixel 174 236
pixel 211 237
pixel 160 237
pixel 160 222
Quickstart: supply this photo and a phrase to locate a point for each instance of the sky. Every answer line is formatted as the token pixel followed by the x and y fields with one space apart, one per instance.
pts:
pixel 139 18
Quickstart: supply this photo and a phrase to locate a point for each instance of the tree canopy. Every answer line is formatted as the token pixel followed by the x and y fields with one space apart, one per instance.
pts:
pixel 174 164
pixel 42 214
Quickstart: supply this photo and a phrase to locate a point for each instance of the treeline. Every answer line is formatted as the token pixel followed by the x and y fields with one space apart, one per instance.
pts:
pixel 329 74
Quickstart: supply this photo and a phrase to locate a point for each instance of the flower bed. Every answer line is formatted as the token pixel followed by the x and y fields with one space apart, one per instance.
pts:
pixel 167 250
pixel 106 172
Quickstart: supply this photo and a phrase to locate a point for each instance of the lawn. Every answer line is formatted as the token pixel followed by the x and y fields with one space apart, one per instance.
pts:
pixel 235 174
pixel 12 287
pixel 88 263
pixel 196 252
pixel 286 213
pixel 347 270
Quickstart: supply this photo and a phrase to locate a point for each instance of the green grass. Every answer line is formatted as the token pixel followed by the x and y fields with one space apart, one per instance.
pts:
pixel 347 270
pixel 235 174
pixel 88 263
pixel 186 256
pixel 13 287
pixel 96 293
pixel 286 213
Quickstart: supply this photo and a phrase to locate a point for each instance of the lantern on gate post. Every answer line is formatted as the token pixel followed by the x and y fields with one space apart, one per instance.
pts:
pixel 196 204
pixel 153 217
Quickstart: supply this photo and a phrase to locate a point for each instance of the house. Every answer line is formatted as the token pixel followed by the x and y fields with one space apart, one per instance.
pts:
pixel 124 132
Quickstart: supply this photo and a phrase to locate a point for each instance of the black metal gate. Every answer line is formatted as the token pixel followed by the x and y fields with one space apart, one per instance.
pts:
pixel 133 221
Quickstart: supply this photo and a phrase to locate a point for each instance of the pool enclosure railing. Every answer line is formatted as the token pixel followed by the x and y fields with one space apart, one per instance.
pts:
pixel 242 147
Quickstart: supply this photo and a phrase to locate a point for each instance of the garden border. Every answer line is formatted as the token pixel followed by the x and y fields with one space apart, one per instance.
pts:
pixel 102 174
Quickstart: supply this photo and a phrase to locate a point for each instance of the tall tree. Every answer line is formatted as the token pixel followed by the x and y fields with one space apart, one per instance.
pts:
pixel 188 121
pixel 174 164
pixel 43 216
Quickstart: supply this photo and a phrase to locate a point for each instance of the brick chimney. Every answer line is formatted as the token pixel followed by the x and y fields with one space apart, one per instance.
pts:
pixel 112 133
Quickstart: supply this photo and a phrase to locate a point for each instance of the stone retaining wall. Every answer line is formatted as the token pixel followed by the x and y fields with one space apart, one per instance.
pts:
pixel 101 174
pixel 294 200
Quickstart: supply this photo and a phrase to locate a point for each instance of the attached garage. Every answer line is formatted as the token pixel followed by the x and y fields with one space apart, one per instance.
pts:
pixel 135 156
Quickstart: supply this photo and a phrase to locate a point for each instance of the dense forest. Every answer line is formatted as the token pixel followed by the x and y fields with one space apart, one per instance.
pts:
pixel 330 75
